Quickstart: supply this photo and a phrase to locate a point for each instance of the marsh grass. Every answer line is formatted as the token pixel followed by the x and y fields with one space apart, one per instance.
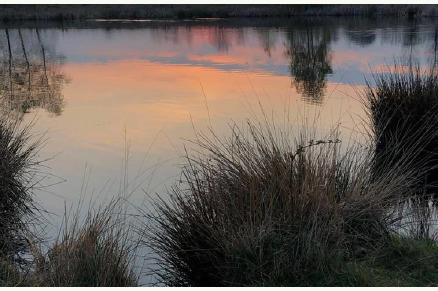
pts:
pixel 403 107
pixel 19 166
pixel 9 274
pixel 97 251
pixel 265 209
pixel 399 261
pixel 403 111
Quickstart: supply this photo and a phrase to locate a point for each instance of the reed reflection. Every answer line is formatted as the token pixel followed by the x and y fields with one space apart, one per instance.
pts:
pixel 362 38
pixel 432 54
pixel 30 74
pixel 412 36
pixel 268 39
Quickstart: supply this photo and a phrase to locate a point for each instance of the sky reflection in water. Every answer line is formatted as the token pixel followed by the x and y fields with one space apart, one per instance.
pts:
pixel 98 86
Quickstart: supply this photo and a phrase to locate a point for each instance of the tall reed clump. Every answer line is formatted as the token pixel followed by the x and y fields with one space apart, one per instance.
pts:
pixel 262 208
pixel 18 169
pixel 96 253
pixel 403 111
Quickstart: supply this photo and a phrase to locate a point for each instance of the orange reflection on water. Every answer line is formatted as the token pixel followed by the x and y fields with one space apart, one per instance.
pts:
pixel 148 96
pixel 219 59
pixel 158 105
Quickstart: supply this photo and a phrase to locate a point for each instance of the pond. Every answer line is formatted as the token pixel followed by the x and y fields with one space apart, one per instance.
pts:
pixel 118 100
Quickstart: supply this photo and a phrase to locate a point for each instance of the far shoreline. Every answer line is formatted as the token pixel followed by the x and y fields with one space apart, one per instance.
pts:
pixel 65 12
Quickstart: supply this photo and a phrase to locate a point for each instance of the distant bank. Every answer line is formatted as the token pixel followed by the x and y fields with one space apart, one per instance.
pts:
pixel 186 11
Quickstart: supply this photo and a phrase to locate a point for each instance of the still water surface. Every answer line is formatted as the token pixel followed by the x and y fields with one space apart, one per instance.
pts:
pixel 100 89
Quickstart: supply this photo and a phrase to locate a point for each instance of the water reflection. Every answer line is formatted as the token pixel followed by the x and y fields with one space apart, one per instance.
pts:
pixel 362 38
pixel 411 34
pixel 310 60
pixel 312 52
pixel 433 48
pixel 146 77
pixel 30 74
pixel 268 39
pixel 220 39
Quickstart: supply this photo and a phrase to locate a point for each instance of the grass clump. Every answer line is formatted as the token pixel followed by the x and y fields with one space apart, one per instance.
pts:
pixel 403 111
pixel 410 256
pixel 98 253
pixel 9 274
pixel 18 168
pixel 262 208
pixel 397 261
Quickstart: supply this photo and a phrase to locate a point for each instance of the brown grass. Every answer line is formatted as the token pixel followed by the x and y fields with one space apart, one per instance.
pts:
pixel 263 209
pixel 18 175
pixel 99 252
pixel 403 110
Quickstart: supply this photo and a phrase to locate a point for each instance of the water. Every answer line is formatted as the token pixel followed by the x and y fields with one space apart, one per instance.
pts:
pixel 103 90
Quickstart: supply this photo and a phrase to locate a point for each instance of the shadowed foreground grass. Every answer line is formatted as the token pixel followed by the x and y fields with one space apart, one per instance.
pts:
pixel 403 112
pixel 264 209
pixel 96 252
pixel 18 166
pixel 398 262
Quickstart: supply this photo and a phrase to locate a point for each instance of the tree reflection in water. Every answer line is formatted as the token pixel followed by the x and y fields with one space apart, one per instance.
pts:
pixel 310 60
pixel 30 73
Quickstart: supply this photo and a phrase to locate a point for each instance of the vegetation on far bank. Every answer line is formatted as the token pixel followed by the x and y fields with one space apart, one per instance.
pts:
pixel 187 11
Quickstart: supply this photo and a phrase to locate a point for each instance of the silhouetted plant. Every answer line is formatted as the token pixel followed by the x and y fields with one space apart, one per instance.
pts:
pixel 263 209
pixel 18 166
